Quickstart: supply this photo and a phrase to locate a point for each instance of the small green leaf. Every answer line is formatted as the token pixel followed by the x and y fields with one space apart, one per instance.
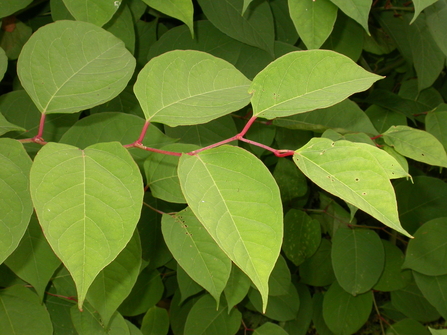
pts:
pixel 279 281
pixel 155 322
pixel 6 126
pixel 357 173
pixel 9 7
pixel 237 200
pixel 196 251
pixel 204 319
pixel 186 87
pixel 269 328
pixel 356 9
pixel 69 66
pixel 98 12
pixel 419 6
pixel 15 200
pixel 314 20
pixel 437 331
pixel 416 144
pixel 291 181
pixel 187 286
pixel 88 203
pixel 88 322
pixel 357 258
pixel 21 312
pixel 302 81
pixel 246 4
pixel 317 270
pixel 407 327
pixel 121 25
pixel 434 289
pixel 237 287
pixel 179 9
pixel 427 253
pixel 284 28
pixel 344 313
pixel 300 325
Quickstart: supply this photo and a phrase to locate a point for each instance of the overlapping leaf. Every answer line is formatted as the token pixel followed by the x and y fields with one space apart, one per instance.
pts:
pixel 9 7
pixel 302 81
pixel 68 66
pixel 186 87
pixel 6 126
pixel 356 172
pixel 88 203
pixel 15 200
pixel 237 200
pixel 97 12
pixel 358 10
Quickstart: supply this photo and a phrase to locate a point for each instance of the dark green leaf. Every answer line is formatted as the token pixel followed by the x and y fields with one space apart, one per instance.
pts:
pixel 317 270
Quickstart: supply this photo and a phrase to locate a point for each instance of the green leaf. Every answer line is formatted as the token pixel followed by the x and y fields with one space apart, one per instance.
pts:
pixel 98 12
pixel 279 281
pixel 361 180
pixel 255 27
pixel 161 173
pixel 246 4
pixel 155 322
pixel 204 319
pixel 344 313
pixel 59 310
pixel 179 312
pixel 187 286
pixel 291 181
pixel 13 41
pixel 416 144
pixel 3 63
pixel 88 323
pixel 114 283
pixel 186 87
pixel 407 327
pixel 317 315
pixel 300 325
pixel 9 7
pixel 62 77
pixel 15 200
pixel 22 313
pixel 419 6
pixel 358 10
pixel 237 287
pixel 179 9
pixel 269 328
pixel 6 126
pixel 343 117
pixel 317 270
pixel 434 289
pixel 427 252
pixel 196 251
pixel 314 20
pixel 302 81
pixel 284 28
pixel 121 25
pixel 437 23
pixel 411 302
pixel 88 203
pixel 357 258
pixel 237 200
pixel 436 122
pixel 393 277
pixel 34 260
pixel 384 118
pixel 302 236
pixel 437 332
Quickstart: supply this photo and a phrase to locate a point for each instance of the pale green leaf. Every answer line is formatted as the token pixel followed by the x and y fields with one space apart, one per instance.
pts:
pixel 88 203
pixel 34 261
pixel 196 251
pixel 434 289
pixel 269 328
pixel 427 252
pixel 15 200
pixel 419 6
pixel 437 331
pixel 314 20
pixel 246 4
pixel 114 283
pixel 357 258
pixel 6 126
pixel 179 9
pixel 8 7
pixel 69 66
pixel 358 173
pixel 344 313
pixel 204 319
pixel 98 12
pixel 237 200
pixel 302 81
pixel 21 312
pixel 416 144
pixel 155 322
pixel 255 27
pixel 437 23
pixel 358 10
pixel 186 87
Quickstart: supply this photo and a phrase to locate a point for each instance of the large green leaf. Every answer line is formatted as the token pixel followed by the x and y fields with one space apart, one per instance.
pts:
pixel 427 252
pixel 97 12
pixel 179 9
pixel 34 261
pixel 196 251
pixel 185 87
pixel 68 66
pixel 15 200
pixel 356 9
pixel 237 200
pixel 8 7
pixel 22 313
pixel 357 173
pixel 343 313
pixel 416 144
pixel 254 27
pixel 88 203
pixel 357 258
pixel 314 20
pixel 302 81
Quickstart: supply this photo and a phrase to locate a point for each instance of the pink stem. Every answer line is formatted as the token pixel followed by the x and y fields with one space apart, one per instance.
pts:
pixel 278 153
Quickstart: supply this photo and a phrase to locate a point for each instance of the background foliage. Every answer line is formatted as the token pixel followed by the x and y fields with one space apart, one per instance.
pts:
pixel 147 178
